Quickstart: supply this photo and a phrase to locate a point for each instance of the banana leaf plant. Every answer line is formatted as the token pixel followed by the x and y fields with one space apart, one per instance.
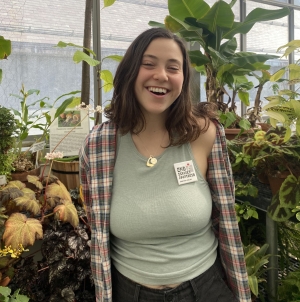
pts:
pixel 214 28
pixel 284 107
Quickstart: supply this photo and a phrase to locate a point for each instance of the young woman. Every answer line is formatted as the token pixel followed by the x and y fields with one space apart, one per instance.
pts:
pixel 158 187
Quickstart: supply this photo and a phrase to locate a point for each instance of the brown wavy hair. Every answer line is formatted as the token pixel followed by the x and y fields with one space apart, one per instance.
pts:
pixel 125 111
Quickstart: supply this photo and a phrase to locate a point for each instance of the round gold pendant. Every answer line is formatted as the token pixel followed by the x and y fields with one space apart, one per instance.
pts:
pixel 151 161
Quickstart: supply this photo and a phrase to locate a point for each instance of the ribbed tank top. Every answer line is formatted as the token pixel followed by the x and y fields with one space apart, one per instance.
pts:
pixel 160 232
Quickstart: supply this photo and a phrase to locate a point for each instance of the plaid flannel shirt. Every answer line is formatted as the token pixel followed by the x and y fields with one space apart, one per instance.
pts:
pixel 97 159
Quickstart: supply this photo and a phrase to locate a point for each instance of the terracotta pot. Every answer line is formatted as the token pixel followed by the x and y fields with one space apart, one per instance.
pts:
pixel 5 281
pixel 22 176
pixel 263 178
pixel 232 133
pixel 67 173
pixel 264 126
pixel 276 181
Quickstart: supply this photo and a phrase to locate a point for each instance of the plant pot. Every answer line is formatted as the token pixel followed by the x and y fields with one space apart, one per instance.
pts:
pixel 264 126
pixel 22 176
pixel 263 178
pixel 67 173
pixel 5 281
pixel 232 133
pixel 276 180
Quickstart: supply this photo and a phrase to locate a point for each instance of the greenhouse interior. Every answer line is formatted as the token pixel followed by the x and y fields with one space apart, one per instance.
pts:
pixel 65 75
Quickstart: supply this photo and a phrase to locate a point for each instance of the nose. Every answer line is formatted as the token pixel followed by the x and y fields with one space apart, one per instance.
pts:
pixel 160 74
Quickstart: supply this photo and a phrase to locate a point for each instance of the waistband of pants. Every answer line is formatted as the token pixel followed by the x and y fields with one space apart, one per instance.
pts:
pixel 131 285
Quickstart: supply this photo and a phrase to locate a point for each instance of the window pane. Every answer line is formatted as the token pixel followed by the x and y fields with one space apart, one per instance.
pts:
pixel 266 37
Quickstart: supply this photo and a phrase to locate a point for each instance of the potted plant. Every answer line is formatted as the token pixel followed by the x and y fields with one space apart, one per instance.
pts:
pixel 279 159
pixel 34 115
pixel 7 129
pixel 214 29
pixel 284 107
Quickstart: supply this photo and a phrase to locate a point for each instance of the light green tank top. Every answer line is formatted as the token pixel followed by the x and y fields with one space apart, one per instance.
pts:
pixel 160 231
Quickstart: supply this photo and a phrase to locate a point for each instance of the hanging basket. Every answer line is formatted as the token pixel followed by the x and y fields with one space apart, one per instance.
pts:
pixel 67 173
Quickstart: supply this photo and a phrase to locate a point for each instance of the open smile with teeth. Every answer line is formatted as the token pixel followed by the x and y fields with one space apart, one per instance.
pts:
pixel 158 91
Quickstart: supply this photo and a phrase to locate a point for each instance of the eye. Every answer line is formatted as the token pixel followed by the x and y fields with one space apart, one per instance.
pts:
pixel 174 68
pixel 148 64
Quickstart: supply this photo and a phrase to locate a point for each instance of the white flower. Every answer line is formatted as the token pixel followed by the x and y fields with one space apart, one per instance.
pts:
pixel 54 155
pixel 88 108
pixel 99 109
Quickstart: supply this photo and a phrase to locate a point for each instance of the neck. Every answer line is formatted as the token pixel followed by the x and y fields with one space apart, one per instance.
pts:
pixel 155 124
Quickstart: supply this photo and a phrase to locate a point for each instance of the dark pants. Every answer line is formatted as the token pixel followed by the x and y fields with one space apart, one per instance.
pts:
pixel 208 287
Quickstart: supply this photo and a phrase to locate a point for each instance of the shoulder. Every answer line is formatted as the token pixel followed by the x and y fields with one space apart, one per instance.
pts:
pixel 208 130
pixel 206 139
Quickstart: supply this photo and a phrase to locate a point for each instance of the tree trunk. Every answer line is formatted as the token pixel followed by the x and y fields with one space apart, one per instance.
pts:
pixel 87 36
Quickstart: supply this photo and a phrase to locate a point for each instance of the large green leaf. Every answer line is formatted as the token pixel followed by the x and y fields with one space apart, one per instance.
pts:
pixel 298 127
pixel 198 58
pixel 279 116
pixel 114 57
pixel 289 193
pixel 62 44
pixel 108 2
pixel 173 25
pixel 296 105
pixel 291 47
pixel 228 48
pixel 81 56
pixel 217 58
pixel 245 58
pixel 5 48
pixel 277 212
pixel 253 284
pixel 257 15
pixel 63 106
pixel 107 77
pixel 294 72
pixel 244 97
pixel 277 75
pixel 182 9
pixel 220 15
pixel 156 24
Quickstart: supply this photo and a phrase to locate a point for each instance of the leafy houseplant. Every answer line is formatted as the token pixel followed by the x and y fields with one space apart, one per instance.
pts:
pixel 214 29
pixel 7 129
pixel 289 288
pixel 5 295
pixel 256 261
pixel 271 154
pixel 285 106
pixel 31 118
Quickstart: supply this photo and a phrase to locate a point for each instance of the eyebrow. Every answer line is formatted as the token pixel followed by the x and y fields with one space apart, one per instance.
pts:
pixel 156 58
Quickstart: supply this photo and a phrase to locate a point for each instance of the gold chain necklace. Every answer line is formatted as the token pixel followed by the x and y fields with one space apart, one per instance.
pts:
pixel 151 161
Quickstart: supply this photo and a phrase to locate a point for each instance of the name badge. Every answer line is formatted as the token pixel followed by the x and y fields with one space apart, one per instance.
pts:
pixel 185 172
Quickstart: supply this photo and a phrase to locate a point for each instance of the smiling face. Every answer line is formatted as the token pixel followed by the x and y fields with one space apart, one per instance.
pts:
pixel 160 78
